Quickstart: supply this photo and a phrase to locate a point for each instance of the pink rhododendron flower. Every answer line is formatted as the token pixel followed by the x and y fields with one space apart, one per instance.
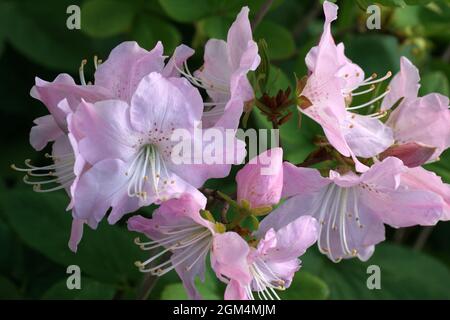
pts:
pixel 419 178
pixel 274 261
pixel 178 228
pixel 224 73
pixel 351 208
pixel 260 181
pixel 332 81
pixel 422 122
pixel 117 78
pixel 130 149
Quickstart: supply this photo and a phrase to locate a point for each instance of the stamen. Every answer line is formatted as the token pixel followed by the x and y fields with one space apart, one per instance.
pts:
pixel 369 103
pixel 81 72
pixel 386 76
pixel 372 87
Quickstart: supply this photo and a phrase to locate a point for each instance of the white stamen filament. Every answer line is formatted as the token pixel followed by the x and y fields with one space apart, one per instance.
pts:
pixel 364 91
pixel 263 281
pixel 59 173
pixel 199 82
pixel 81 72
pixel 369 80
pixel 148 164
pixel 187 240
pixel 369 103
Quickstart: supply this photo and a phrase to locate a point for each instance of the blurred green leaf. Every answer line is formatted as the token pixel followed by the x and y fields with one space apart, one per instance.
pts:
pixel 305 287
pixel 428 21
pixel 39 32
pixel 434 82
pixel 374 52
pixel 107 254
pixel 176 291
pixel 442 167
pixel 148 30
pixel 405 274
pixel 90 289
pixel 8 290
pixel 388 3
pixel 105 18
pixel 216 27
pixel 281 44
pixel 188 11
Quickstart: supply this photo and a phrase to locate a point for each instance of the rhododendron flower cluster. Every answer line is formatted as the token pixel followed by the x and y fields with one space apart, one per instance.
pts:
pixel 113 150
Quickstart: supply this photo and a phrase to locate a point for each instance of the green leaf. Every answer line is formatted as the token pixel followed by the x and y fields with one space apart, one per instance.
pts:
pixel 281 44
pixel 388 3
pixel 149 29
pixel 442 167
pixel 40 34
pixel 434 82
pixel 305 286
pixel 188 11
pixel 373 52
pixel 425 21
pixel 90 290
pixel 405 274
pixel 8 290
pixel 105 18
pixel 106 254
pixel 176 291
pixel 216 26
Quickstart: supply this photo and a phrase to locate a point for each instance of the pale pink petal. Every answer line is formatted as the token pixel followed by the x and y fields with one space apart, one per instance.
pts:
pixel 240 40
pixel 405 84
pixel 64 87
pixel 209 155
pixel 395 203
pixel 169 103
pixel 180 55
pixel 260 181
pixel 326 51
pixel 216 71
pixel 101 187
pixel 106 129
pixel 424 120
pixel 76 234
pixel 44 131
pixel 126 65
pixel 292 240
pixel 229 257
pixel 299 180
pixel 352 74
pixel 385 174
pixel 235 291
pixel 421 179
pixel 366 136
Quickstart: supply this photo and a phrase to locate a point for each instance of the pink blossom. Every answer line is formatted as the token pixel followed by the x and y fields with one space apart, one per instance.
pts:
pixel 419 121
pixel 224 73
pixel 272 264
pixel 130 149
pixel 329 88
pixel 351 208
pixel 178 228
pixel 117 78
pixel 261 180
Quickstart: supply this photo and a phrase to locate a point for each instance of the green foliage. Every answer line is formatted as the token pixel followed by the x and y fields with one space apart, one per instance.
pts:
pixel 405 274
pixel 105 18
pixel 35 228
pixel 90 289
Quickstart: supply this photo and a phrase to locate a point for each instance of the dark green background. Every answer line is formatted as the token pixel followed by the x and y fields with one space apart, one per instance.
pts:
pixel 34 228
